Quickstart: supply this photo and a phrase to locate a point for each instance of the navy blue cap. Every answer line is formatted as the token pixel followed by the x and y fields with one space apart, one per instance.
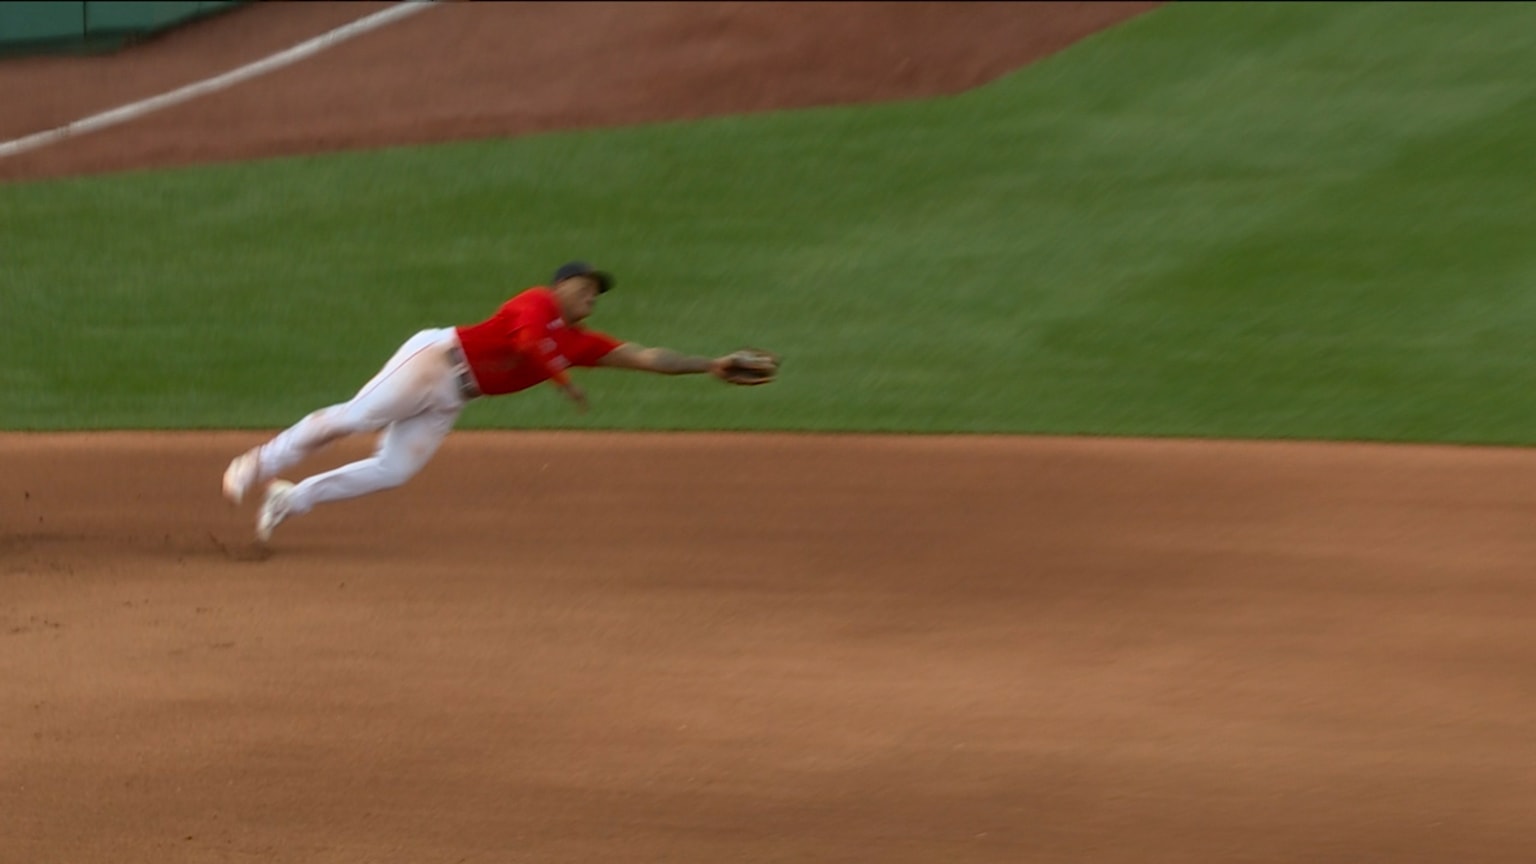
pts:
pixel 572 269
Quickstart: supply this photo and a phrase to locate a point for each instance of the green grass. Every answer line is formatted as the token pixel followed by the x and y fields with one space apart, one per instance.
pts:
pixel 1246 220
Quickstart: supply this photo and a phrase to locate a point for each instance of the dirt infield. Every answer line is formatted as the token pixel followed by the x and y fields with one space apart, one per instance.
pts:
pixel 581 647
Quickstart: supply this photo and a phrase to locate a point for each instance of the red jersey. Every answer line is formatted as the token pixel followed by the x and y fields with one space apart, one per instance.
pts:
pixel 526 343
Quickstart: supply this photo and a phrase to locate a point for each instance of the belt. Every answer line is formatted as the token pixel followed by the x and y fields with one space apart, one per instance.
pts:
pixel 466 379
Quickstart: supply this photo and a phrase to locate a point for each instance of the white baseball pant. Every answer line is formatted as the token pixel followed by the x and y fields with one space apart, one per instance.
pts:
pixel 415 399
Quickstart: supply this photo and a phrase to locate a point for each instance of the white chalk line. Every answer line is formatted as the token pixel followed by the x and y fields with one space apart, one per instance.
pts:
pixel 219 82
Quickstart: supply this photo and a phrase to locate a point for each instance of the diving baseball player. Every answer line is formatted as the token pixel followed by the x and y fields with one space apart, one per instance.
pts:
pixel 416 398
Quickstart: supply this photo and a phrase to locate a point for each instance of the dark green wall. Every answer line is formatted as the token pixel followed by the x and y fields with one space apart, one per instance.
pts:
pixel 39 27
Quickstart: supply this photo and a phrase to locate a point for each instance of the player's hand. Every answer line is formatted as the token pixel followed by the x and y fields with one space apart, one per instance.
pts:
pixel 577 396
pixel 747 367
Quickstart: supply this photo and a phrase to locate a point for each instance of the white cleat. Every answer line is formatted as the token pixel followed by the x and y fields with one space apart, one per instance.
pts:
pixel 240 476
pixel 274 509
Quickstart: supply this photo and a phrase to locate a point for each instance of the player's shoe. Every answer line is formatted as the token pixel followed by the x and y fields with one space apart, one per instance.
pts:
pixel 240 476
pixel 274 509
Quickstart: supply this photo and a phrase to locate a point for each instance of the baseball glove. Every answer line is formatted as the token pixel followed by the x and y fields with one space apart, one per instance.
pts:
pixel 749 367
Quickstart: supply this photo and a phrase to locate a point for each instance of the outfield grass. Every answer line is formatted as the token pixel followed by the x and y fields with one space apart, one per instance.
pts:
pixel 1246 220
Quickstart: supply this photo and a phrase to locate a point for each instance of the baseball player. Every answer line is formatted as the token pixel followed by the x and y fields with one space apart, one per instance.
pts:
pixel 416 398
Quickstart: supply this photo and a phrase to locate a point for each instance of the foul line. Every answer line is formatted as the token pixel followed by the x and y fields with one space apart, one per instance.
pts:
pixel 209 85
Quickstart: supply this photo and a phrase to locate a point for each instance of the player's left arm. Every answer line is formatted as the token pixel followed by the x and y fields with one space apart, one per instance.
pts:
pixel 662 361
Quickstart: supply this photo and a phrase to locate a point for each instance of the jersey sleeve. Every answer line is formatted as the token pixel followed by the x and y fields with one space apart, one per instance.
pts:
pixel 589 347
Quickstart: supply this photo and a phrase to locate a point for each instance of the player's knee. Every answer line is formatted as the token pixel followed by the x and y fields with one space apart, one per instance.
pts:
pixel 390 474
pixel 330 424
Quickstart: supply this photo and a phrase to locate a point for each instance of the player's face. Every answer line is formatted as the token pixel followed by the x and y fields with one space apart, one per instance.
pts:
pixel 577 296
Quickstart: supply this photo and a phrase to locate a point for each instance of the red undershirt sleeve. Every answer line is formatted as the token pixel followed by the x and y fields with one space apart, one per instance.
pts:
pixel 592 347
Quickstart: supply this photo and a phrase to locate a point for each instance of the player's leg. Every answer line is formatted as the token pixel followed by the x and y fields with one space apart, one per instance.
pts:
pixel 404 449
pixel 404 387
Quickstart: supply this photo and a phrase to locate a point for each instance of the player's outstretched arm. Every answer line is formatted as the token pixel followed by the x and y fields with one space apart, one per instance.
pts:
pixel 662 361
